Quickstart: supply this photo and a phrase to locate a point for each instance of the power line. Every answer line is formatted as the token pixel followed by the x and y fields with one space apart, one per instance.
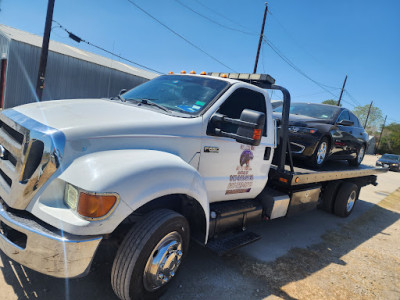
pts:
pixel 179 35
pixel 352 98
pixel 222 16
pixel 269 43
pixel 213 21
pixel 78 40
pixel 292 65
pixel 393 120
pixel 312 94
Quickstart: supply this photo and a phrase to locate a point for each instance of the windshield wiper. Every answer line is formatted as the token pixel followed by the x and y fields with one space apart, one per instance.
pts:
pixel 149 102
pixel 119 97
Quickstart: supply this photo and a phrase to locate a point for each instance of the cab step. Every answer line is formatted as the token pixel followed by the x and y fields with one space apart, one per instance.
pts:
pixel 223 245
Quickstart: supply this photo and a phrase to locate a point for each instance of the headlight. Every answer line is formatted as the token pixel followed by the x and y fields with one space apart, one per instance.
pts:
pixel 395 165
pixel 296 129
pixel 90 205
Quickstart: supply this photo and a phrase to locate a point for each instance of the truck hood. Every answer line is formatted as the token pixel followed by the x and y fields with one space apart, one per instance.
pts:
pixel 102 117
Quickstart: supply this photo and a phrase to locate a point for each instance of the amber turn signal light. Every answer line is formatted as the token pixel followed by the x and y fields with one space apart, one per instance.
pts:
pixel 95 205
pixel 257 134
pixel 170 73
pixel 183 72
pixel 192 72
pixel 203 73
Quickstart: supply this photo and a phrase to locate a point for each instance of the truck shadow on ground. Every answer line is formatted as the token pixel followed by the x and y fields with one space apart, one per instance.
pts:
pixel 291 250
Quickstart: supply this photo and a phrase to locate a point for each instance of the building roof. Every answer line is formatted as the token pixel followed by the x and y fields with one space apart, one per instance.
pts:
pixel 36 40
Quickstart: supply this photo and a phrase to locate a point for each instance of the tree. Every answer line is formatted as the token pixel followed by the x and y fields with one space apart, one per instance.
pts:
pixel 330 102
pixel 375 118
pixel 390 139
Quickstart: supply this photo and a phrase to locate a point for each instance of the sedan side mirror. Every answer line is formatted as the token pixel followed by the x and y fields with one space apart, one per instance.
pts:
pixel 345 123
pixel 250 127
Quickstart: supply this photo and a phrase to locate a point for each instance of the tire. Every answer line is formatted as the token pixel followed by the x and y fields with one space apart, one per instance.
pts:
pixel 346 198
pixel 329 196
pixel 359 158
pixel 155 237
pixel 316 160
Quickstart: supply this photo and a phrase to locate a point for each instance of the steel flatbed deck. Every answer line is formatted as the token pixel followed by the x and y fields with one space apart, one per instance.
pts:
pixel 334 170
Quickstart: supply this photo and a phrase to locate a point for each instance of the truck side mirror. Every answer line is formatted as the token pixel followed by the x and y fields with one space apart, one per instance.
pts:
pixel 345 123
pixel 123 91
pixel 250 134
pixel 250 127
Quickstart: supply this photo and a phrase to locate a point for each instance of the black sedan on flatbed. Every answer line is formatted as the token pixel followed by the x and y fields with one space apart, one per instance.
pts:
pixel 320 132
pixel 391 161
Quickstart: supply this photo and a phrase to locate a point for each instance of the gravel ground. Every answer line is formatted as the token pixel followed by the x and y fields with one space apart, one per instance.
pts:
pixel 314 256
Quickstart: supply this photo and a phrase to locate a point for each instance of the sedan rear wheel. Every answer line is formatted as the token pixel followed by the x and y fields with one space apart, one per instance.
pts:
pixel 359 158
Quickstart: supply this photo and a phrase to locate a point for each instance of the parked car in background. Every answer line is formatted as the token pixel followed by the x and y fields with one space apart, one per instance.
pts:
pixel 319 132
pixel 391 161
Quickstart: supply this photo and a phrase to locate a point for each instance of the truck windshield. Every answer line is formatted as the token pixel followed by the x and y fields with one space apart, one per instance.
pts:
pixel 187 94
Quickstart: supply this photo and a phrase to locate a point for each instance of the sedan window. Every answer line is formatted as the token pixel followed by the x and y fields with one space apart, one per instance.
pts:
pixel 344 116
pixel 354 119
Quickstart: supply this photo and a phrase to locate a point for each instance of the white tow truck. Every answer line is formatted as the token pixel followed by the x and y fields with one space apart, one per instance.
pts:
pixel 179 157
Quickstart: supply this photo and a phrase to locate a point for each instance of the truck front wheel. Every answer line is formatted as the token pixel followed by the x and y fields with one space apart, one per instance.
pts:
pixel 150 255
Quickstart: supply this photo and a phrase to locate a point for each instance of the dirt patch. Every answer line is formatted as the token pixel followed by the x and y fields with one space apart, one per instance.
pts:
pixel 361 260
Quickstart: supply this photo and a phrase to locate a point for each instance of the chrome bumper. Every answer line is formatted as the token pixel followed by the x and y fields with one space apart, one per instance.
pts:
pixel 43 249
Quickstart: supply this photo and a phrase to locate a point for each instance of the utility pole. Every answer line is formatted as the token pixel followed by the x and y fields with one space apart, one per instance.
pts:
pixel 369 110
pixel 261 37
pixel 380 136
pixel 341 92
pixel 45 50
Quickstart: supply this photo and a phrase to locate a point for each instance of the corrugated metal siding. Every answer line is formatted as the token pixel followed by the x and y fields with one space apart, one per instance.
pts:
pixel 66 77
pixel 4 43
pixel 57 47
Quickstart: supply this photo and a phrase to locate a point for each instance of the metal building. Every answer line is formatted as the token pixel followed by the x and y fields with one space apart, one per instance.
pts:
pixel 71 72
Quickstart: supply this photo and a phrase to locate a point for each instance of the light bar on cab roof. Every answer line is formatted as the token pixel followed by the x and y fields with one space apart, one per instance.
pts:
pixel 265 78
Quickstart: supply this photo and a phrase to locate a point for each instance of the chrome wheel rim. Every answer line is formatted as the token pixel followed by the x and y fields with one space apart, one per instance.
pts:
pixel 351 201
pixel 163 262
pixel 361 154
pixel 321 153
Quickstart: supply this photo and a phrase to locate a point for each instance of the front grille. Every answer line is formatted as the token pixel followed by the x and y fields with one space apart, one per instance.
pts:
pixel 17 136
pixel 6 178
pixel 33 159
pixel 30 153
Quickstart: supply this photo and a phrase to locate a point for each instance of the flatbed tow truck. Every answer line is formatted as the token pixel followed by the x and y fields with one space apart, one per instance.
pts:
pixel 179 157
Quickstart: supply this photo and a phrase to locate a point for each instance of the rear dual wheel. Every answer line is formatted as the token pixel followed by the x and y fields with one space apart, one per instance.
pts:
pixel 339 198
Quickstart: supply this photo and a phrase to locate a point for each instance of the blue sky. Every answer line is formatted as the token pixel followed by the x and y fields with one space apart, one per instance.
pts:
pixel 324 39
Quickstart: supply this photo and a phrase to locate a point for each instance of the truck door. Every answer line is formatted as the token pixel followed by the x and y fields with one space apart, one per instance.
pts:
pixel 232 170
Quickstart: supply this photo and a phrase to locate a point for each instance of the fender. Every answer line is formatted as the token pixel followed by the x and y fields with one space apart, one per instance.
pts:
pixel 138 176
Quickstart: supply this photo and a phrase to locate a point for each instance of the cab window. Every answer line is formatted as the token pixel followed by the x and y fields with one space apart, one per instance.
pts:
pixel 241 99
